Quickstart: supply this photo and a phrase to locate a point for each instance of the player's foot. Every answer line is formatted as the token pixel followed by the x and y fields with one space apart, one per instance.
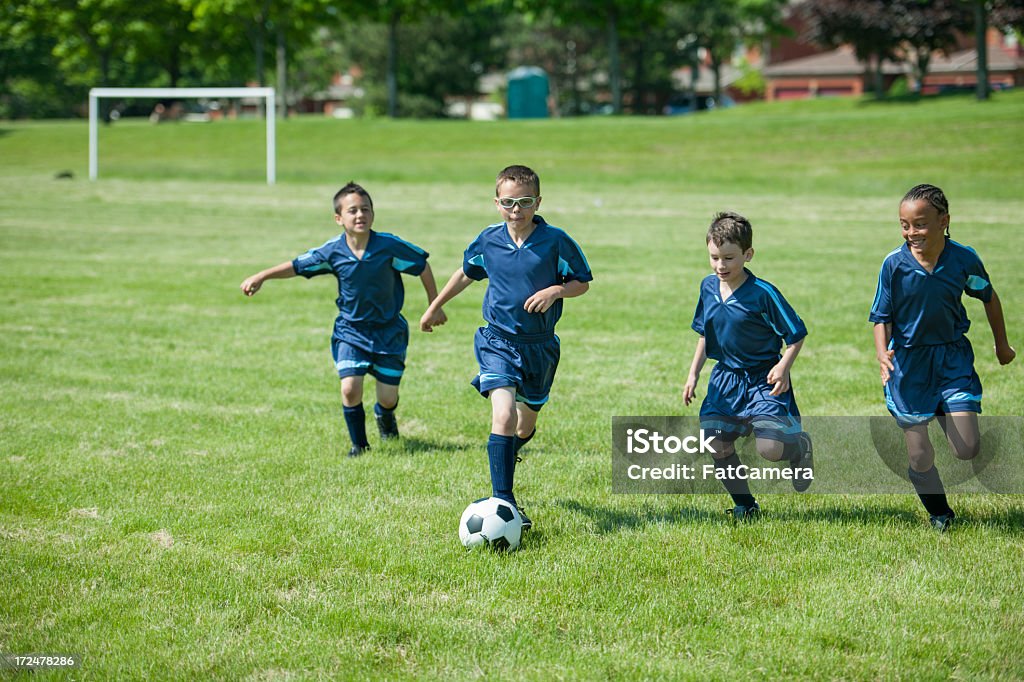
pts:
pixel 742 512
pixel 356 450
pixel 806 461
pixel 942 522
pixel 527 523
pixel 387 425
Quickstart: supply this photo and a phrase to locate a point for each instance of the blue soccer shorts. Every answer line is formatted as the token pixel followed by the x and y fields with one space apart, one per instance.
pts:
pixel 527 363
pixel 932 380
pixel 353 361
pixel 739 401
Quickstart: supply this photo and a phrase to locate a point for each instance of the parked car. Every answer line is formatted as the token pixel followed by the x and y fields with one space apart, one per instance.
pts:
pixel 685 104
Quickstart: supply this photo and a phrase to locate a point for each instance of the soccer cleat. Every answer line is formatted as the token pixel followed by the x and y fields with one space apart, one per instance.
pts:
pixel 387 425
pixel 806 461
pixel 744 513
pixel 942 522
pixel 357 450
pixel 527 523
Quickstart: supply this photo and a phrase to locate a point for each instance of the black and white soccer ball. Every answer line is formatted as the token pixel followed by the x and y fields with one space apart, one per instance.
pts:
pixel 491 522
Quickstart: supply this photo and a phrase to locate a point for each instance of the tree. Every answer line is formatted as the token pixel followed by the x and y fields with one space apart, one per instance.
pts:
pixel 616 18
pixel 867 25
pixel 722 26
pixel 924 27
pixel 434 59
pixel 1005 14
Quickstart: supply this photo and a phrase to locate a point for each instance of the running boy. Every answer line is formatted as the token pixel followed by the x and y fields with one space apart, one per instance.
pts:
pixel 743 322
pixel 925 359
pixel 531 266
pixel 370 335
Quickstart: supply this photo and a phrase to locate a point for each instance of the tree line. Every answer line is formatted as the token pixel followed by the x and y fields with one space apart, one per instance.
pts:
pixel 414 54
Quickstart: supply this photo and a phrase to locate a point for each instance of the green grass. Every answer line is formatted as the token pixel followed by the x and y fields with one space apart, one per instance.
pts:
pixel 174 501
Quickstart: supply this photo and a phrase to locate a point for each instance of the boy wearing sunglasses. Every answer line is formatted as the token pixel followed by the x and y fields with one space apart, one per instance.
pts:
pixel 531 266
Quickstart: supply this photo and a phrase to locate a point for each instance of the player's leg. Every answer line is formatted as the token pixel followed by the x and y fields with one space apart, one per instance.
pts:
pixel 352 366
pixel 539 364
pixel 355 416
pixel 961 400
pixel 925 477
pixel 962 432
pixel 526 426
pixel 384 410
pixel 912 396
pixel 720 414
pixel 500 445
pixel 779 431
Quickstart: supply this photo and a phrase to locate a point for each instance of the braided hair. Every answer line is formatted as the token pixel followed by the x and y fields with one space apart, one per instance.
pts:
pixel 933 195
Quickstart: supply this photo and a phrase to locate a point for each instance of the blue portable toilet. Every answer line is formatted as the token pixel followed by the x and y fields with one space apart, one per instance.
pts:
pixel 527 93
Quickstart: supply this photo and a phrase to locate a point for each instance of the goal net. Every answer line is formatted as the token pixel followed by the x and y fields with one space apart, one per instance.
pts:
pixel 179 93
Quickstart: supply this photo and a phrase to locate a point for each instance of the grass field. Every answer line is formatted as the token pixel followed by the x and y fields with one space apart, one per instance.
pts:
pixel 175 503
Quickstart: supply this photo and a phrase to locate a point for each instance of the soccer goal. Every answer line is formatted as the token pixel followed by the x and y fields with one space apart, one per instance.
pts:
pixel 179 93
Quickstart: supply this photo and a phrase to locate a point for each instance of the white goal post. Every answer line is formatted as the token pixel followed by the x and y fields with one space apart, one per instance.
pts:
pixel 156 93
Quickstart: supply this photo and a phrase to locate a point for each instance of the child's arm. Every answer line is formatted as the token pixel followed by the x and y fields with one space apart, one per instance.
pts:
pixel 778 376
pixel 882 351
pixel 430 286
pixel 700 356
pixel 994 310
pixel 434 316
pixel 545 298
pixel 253 283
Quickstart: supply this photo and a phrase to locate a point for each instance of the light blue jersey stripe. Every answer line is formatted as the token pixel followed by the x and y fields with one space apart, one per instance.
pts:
pixel 402 241
pixel 977 283
pixel 775 297
pixel 351 364
pixel 401 265
pixel 387 372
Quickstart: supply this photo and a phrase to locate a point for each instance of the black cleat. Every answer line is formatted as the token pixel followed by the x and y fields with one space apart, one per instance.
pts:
pixel 527 523
pixel 806 461
pixel 942 522
pixel 357 450
pixel 387 425
pixel 744 513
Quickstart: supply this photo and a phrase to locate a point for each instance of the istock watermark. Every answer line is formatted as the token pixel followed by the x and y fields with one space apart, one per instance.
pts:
pixel 851 455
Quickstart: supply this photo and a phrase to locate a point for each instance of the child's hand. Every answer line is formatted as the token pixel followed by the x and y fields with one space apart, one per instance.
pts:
pixel 778 376
pixel 1005 354
pixel 432 318
pixel 542 300
pixel 251 285
pixel 690 389
pixel 885 365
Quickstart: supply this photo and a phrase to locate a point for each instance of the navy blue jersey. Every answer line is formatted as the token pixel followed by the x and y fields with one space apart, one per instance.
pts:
pixel 747 329
pixel 548 257
pixel 370 290
pixel 924 307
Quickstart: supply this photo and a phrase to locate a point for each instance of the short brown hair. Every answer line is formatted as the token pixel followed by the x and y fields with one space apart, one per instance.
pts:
pixel 350 188
pixel 521 175
pixel 731 227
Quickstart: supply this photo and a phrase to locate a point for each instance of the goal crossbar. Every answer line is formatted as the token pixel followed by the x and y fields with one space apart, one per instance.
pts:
pixel 156 93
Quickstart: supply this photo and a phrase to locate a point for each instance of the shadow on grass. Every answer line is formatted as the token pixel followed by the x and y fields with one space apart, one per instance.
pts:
pixel 880 515
pixel 918 98
pixel 411 445
pixel 873 515
pixel 613 520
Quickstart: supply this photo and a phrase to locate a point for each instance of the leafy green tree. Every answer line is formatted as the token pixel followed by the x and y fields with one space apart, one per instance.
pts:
pixel 435 58
pixel 867 25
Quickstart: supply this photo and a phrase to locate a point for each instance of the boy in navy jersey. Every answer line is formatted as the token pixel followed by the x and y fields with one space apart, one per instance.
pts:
pixel 370 335
pixel 743 322
pixel 926 362
pixel 531 266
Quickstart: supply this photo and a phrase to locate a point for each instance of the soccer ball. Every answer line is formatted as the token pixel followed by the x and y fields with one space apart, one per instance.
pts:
pixel 493 522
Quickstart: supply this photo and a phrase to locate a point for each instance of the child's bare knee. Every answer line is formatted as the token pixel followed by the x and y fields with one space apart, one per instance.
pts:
pixel 770 449
pixel 967 448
